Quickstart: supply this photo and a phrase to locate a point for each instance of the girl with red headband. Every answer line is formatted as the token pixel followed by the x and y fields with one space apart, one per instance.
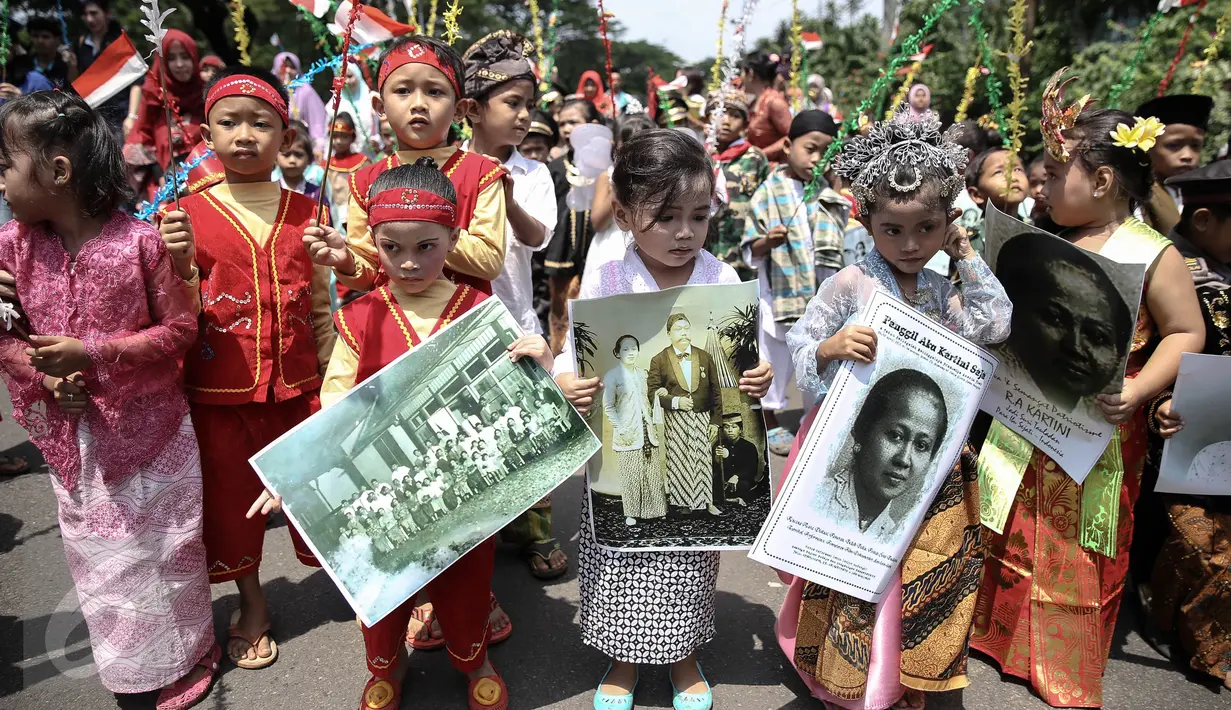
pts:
pixel 265 338
pixel 413 213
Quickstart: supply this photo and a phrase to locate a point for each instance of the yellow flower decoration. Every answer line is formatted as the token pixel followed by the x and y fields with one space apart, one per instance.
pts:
pixel 1143 135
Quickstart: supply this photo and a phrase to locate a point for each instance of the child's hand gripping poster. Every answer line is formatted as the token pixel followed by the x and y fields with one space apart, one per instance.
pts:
pixel 423 461
pixel 884 442
pixel 683 464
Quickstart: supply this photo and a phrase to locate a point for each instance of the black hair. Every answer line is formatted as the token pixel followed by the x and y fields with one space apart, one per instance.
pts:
pixel 762 66
pixel 592 114
pixel 303 137
pixel 39 23
pixel 1035 163
pixel 45 123
pixel 423 175
pixel 632 124
pixel 345 119
pixel 1095 149
pixel 1221 212
pixel 256 72
pixel 696 80
pixel 103 5
pixel 887 394
pixel 620 341
pixel 975 169
pixel 656 167
pixel 973 137
pixel 446 54
pixel 1024 258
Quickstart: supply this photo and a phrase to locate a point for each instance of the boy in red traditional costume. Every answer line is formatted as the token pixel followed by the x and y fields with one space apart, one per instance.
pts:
pixel 265 334
pixel 413 215
pixel 420 87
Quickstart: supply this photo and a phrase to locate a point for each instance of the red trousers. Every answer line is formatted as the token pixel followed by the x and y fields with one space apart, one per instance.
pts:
pixel 461 598
pixel 229 434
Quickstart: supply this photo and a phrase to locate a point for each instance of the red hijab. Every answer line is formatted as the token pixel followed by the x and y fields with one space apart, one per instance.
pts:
pixel 189 100
pixel 600 100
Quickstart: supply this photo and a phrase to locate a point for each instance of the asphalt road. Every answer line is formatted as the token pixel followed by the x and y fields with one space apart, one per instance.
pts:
pixel 45 659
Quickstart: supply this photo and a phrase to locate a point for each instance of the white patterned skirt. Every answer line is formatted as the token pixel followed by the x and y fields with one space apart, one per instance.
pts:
pixel 135 552
pixel 690 467
pixel 644 607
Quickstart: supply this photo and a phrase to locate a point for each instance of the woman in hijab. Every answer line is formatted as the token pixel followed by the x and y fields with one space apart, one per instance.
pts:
pixel 590 86
pixel 357 101
pixel 920 98
pixel 149 144
pixel 306 105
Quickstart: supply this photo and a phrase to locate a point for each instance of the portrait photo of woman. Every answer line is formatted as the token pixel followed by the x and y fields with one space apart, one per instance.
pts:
pixel 1071 326
pixel 638 451
pixel 884 467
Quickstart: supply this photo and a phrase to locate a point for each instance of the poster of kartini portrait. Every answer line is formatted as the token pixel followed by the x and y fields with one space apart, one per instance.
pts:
pixel 885 439
pixel 683 463
pixel 1197 460
pixel 423 461
pixel 1074 314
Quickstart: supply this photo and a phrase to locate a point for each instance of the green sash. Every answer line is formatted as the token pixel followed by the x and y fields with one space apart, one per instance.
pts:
pixel 1005 453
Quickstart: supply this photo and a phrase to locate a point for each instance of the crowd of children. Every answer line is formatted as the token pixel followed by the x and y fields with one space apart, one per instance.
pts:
pixel 180 352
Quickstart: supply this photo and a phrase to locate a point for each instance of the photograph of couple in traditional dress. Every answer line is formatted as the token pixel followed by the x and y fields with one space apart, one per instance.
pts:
pixel 425 460
pixel 683 464
pixel 1074 314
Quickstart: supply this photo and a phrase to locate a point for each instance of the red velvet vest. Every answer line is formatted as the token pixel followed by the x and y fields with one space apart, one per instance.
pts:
pixel 470 174
pixel 256 321
pixel 375 327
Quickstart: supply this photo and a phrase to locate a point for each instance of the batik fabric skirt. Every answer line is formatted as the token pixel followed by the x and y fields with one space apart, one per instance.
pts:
pixel 135 551
pixel 690 467
pixel 643 492
pixel 1047 606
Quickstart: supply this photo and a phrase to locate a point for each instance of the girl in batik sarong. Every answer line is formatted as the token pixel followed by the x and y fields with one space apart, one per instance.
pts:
pixel 1055 572
pixel 854 654
pixel 100 395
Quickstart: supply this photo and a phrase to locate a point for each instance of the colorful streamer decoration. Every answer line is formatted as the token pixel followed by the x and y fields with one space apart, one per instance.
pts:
pixel 1181 50
pixel 431 19
pixel 6 42
pixel 968 93
pixel 716 72
pixel 452 32
pixel 1211 52
pixel 146 210
pixel 985 52
pixel 910 47
pixel 730 64
pixel 241 31
pixel 321 65
pixel 1017 82
pixel 603 17
pixel 1129 75
pixel 537 26
pixel 797 52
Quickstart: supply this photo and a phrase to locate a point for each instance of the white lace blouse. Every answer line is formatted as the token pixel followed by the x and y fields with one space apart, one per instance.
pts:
pixel 980 312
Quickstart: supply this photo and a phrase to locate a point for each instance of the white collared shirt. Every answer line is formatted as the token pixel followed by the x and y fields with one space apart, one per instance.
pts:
pixel 685 365
pixel 535 192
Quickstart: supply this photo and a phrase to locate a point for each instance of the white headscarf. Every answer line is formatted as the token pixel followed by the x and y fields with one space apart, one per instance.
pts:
pixel 358 103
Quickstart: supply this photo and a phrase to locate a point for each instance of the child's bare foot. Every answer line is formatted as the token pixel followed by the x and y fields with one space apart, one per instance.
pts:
pixel 911 700
pixel 249 645
pixel 426 631
pixel 687 676
pixel 620 679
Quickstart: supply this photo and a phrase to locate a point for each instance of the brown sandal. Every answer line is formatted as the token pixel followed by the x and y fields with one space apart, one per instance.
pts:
pixel 253 642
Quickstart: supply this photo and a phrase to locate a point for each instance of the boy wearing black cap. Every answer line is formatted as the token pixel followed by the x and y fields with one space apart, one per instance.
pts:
pixel 744 168
pixel 794 245
pixel 1178 150
pixel 1203 237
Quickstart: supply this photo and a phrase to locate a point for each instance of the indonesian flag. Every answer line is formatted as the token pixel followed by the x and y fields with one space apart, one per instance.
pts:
pixel 373 26
pixel 317 7
pixel 114 70
pixel 1169 5
pixel 810 41
pixel 923 54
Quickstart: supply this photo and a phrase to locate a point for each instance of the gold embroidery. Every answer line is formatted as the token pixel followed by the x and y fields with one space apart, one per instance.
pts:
pixel 396 310
pixel 276 289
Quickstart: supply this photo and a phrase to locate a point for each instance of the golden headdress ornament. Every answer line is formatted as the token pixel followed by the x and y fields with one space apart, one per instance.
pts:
pixel 1056 117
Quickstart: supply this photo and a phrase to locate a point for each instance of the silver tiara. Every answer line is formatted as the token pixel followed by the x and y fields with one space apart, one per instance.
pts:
pixel 916 143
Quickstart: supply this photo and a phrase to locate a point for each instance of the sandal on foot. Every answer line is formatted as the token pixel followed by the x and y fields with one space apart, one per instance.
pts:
pixel 503 634
pixel 253 642
pixel 488 693
pixel 379 694
pixel 542 551
pixel 603 701
pixel 13 466
pixel 182 694
pixel 426 617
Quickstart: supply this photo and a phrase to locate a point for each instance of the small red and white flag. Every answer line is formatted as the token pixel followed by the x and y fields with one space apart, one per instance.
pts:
pixel 318 8
pixel 1169 5
pixel 810 41
pixel 372 26
pixel 923 53
pixel 115 69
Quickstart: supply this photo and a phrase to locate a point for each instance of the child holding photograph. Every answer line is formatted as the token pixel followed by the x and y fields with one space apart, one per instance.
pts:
pixel 238 248
pixel 663 184
pixel 102 398
pixel 905 176
pixel 413 213
pixel 1098 172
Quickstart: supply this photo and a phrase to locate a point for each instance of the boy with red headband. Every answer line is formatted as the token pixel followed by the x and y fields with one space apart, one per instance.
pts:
pixel 265 336
pixel 420 90
pixel 413 214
